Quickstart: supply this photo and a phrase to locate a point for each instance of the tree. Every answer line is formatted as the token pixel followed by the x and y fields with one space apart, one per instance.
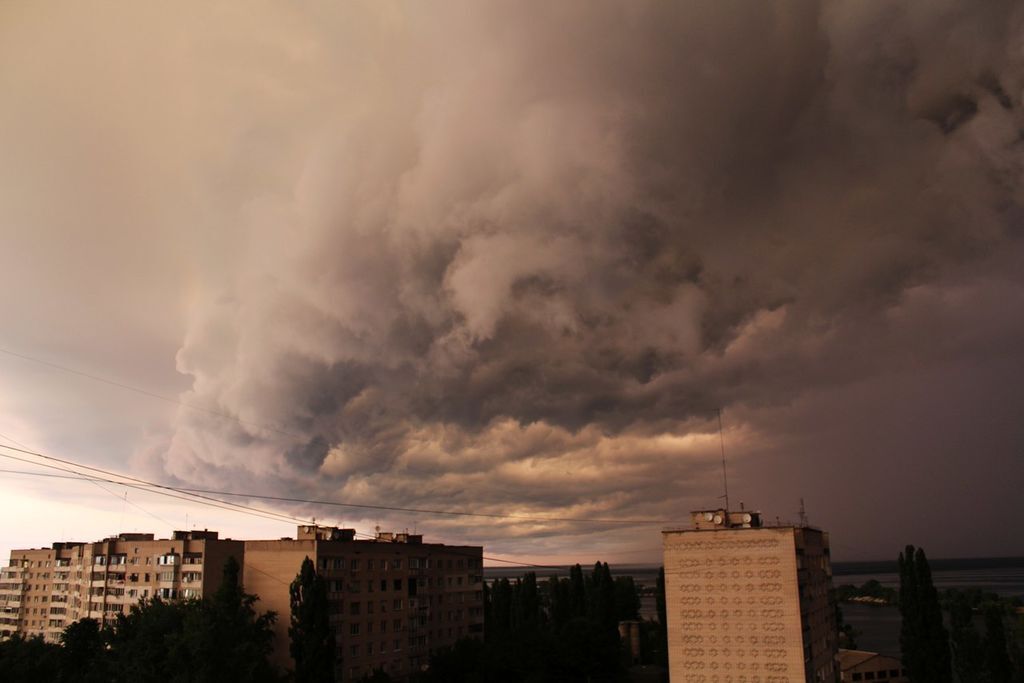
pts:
pixel 923 639
pixel 577 592
pixel 662 607
pixel 312 641
pixel 996 659
pixel 227 636
pixel 29 660
pixel 966 644
pixel 84 655
pixel 627 599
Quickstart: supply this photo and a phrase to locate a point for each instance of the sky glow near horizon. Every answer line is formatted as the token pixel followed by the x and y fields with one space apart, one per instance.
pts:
pixel 511 259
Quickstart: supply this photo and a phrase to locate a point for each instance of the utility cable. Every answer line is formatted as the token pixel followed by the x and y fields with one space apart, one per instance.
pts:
pixel 199 493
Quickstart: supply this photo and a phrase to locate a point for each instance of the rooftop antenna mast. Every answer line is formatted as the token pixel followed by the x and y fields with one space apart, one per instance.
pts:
pixel 725 474
pixel 803 513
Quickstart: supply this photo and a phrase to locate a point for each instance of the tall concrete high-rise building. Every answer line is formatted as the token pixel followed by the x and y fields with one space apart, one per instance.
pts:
pixel 748 603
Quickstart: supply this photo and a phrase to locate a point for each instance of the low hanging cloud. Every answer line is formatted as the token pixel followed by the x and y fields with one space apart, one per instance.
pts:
pixel 512 259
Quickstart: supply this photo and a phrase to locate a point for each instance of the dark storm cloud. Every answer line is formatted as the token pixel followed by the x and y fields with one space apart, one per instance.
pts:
pixel 524 244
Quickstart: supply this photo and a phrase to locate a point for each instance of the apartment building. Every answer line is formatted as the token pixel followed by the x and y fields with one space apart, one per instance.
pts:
pixel 393 599
pixel 44 590
pixel 749 603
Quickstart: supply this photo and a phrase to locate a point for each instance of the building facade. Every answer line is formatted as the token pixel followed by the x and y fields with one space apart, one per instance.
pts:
pixel 392 600
pixel 859 665
pixel 44 590
pixel 748 603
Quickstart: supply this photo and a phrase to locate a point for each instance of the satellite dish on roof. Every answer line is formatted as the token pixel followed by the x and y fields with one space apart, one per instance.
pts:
pixel 718 519
pixel 708 516
pixel 747 517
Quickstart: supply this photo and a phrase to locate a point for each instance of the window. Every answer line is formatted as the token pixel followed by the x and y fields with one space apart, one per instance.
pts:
pixel 339 563
pixel 369 648
pixel 167 560
pixel 369 607
pixel 383 626
pixel 353 609
pixel 353 629
pixel 369 564
pixel 369 586
pixel 99 560
pixel 397 604
pixel 396 564
pixel 383 585
pixel 355 565
pixel 398 645
pixel 398 584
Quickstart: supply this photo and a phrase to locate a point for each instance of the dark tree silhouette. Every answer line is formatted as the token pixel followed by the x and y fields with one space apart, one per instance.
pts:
pixel 312 641
pixel 923 639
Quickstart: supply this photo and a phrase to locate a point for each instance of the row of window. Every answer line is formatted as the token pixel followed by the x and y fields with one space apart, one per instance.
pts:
pixel 355 563
pixel 879 675
pixel 166 559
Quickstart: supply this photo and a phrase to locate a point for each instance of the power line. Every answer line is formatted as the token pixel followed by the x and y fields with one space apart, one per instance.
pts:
pixel 151 394
pixel 103 488
pixel 154 488
pixel 391 508
pixel 371 537
pixel 90 478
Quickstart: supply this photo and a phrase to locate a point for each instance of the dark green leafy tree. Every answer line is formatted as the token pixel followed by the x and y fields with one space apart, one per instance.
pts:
pixel 29 660
pixel 923 638
pixel 527 602
pixel 965 641
pixel 149 641
pixel 84 657
pixel 577 592
pixel 226 636
pixel 627 599
pixel 661 606
pixel 312 641
pixel 997 665
pixel 560 609
pixel 501 609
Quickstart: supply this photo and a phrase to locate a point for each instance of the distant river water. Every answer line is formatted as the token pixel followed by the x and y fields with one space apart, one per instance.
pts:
pixel 880 626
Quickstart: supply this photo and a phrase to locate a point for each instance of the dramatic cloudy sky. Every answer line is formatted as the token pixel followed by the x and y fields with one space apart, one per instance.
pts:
pixel 510 258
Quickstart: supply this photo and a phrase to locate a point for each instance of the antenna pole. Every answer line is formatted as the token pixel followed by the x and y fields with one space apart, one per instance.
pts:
pixel 725 474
